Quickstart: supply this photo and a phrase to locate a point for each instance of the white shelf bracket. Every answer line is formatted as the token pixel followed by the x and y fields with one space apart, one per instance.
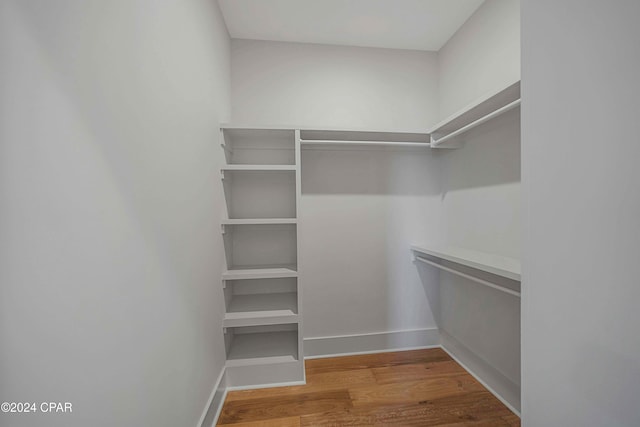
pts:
pixel 222 175
pixel 224 284
pixel 224 330
pixel 223 229
pixel 225 148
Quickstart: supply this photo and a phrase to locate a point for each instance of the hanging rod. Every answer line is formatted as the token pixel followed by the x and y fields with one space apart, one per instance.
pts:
pixel 466 276
pixel 352 142
pixel 496 113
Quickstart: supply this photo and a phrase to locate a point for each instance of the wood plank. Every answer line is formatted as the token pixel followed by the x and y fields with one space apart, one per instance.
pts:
pixel 284 406
pixel 455 410
pixel 415 391
pixel 315 383
pixel 417 371
pixel 335 364
pixel 276 422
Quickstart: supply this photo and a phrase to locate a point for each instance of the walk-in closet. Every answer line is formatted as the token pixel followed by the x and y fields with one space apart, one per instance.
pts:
pixel 307 213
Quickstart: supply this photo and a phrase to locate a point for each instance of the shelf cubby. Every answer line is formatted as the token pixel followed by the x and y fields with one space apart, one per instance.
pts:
pixel 261 345
pixel 260 193
pixel 260 245
pixel 259 146
pixel 261 302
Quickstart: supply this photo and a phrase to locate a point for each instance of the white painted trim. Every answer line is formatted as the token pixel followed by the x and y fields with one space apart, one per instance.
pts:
pixel 216 389
pixel 481 381
pixel 372 342
pixel 269 385
pixel 326 356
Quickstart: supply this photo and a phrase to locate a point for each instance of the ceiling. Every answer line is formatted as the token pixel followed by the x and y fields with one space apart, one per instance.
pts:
pixel 398 24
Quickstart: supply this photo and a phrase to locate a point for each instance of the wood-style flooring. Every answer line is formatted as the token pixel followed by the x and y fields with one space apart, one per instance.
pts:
pixel 408 388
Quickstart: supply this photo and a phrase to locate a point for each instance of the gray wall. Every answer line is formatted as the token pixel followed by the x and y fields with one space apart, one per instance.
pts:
pixel 481 56
pixel 580 127
pixel 110 255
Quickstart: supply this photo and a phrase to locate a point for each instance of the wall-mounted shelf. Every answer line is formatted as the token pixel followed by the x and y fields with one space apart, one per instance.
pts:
pixel 347 143
pixel 231 168
pixel 260 273
pixel 490 263
pixel 323 139
pixel 259 221
pixel 446 134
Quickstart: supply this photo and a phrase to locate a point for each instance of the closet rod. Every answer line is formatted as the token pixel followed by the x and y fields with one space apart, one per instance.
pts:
pixel 481 120
pixel 466 276
pixel 343 142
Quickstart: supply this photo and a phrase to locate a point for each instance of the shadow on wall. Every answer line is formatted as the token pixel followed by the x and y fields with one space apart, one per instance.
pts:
pixel 430 279
pixel 490 156
pixel 370 172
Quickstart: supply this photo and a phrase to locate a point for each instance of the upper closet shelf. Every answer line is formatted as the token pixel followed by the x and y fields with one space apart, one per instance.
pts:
pixel 445 134
pixel 313 138
pixel 494 264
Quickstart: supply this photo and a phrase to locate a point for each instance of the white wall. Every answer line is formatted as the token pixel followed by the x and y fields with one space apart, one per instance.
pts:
pixel 360 210
pixel 110 254
pixel 481 56
pixel 580 127
pixel 332 86
pixel 481 195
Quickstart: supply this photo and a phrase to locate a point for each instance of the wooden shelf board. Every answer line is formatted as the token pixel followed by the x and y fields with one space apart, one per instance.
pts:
pixel 490 263
pixel 263 348
pixel 260 272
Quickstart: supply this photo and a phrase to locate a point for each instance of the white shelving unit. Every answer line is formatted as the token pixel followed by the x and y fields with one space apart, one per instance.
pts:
pixel 448 133
pixel 262 323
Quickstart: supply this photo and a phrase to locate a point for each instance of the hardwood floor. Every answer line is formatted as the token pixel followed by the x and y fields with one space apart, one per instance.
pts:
pixel 409 388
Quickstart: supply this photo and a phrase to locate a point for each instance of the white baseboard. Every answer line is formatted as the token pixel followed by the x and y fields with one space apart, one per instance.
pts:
pixel 499 385
pixel 269 385
pixel 209 417
pixel 377 342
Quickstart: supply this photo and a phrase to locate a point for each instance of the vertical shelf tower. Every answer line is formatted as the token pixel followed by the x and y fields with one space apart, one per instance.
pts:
pixel 263 321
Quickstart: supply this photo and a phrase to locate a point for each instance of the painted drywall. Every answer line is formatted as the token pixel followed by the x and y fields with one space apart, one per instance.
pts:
pixel 332 86
pixel 360 210
pixel 581 347
pixel 110 253
pixel 482 57
pixel 480 199
pixel 360 213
